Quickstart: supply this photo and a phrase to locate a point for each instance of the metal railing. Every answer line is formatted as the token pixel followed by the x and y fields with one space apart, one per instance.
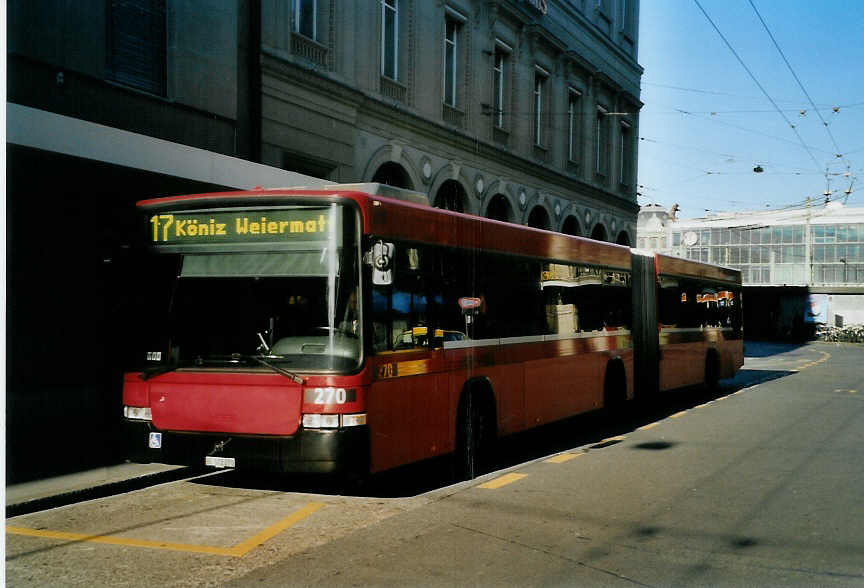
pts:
pixel 393 89
pixel 453 116
pixel 308 49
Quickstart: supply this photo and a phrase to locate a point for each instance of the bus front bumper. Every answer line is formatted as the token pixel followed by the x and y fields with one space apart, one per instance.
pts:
pixel 322 451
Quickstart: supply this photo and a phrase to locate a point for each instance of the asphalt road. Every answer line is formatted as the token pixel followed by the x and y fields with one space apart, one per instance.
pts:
pixel 760 486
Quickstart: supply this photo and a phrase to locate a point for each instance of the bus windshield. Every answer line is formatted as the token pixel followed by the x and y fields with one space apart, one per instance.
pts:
pixel 297 309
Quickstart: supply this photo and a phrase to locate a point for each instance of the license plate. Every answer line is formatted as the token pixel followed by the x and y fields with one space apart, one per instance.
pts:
pixel 219 462
pixel 155 441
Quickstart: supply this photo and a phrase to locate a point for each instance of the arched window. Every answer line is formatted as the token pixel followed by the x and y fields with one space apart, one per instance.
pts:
pixel 394 175
pixel 571 226
pixel 499 208
pixel 599 233
pixel 451 196
pixel 538 218
pixel 623 239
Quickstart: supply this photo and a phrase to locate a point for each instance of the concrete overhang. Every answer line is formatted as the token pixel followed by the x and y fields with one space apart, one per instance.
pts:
pixel 55 133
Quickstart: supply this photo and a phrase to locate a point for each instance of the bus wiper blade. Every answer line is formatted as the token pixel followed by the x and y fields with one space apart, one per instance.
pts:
pixel 294 377
pixel 157 371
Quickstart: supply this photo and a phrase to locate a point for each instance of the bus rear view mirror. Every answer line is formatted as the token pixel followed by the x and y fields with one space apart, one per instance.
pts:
pixel 382 263
pixel 469 305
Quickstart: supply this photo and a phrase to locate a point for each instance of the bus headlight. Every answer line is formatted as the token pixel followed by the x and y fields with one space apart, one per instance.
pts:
pixel 353 420
pixel 333 421
pixel 321 421
pixel 138 413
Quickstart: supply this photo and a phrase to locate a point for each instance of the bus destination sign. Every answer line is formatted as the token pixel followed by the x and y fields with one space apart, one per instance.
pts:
pixel 241 226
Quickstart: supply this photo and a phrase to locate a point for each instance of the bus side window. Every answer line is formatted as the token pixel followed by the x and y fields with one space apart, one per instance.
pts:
pixel 400 306
pixel 513 303
pixel 381 324
pixel 562 314
pixel 451 278
pixel 688 311
pixel 586 298
pixel 671 297
pixel 413 312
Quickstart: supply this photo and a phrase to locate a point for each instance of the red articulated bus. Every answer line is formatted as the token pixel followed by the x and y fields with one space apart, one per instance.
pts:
pixel 357 329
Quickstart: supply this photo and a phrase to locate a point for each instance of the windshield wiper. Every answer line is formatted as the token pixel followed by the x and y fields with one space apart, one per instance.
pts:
pixel 157 371
pixel 164 369
pixel 294 377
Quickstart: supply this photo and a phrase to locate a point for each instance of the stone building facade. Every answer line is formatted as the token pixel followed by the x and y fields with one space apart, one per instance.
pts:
pixel 524 111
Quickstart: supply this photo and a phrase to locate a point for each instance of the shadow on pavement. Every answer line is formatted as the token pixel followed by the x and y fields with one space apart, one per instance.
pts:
pixel 749 377
pixel 593 429
pixel 768 348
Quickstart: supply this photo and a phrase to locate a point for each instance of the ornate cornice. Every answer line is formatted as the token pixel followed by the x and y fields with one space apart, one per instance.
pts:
pixel 396 114
pixel 538 34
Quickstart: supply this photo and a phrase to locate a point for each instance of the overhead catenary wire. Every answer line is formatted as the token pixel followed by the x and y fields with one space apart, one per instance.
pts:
pixel 838 152
pixel 716 92
pixel 799 111
pixel 797 79
pixel 758 84
pixel 834 107
pixel 800 141
pixel 693 144
pixel 731 158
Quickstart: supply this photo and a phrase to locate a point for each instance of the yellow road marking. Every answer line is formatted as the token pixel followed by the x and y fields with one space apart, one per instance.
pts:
pixel 648 426
pixel 242 549
pixel 618 438
pixel 678 414
pixel 76 537
pixel 815 362
pixel 238 550
pixel 562 457
pixel 502 481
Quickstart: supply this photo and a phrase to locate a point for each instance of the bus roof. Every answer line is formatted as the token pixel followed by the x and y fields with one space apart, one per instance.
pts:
pixel 392 213
pixel 687 268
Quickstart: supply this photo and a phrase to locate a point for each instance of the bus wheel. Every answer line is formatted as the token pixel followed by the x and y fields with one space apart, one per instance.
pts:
pixel 712 372
pixel 475 436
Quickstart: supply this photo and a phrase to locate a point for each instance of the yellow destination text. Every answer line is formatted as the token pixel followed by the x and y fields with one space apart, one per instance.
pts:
pixel 263 226
pixel 167 227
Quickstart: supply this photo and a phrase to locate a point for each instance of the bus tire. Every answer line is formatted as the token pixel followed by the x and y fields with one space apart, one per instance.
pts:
pixel 475 434
pixel 712 371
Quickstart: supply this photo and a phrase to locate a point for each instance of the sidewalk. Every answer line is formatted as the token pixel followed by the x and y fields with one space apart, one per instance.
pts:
pixel 28 496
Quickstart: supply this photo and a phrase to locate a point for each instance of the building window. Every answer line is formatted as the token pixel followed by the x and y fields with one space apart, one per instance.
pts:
pixel 390 39
pixel 574 124
pixel 625 155
pixel 499 73
pixel 451 61
pixel 454 56
pixel 540 77
pixel 305 18
pixel 601 142
pixel 137 45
